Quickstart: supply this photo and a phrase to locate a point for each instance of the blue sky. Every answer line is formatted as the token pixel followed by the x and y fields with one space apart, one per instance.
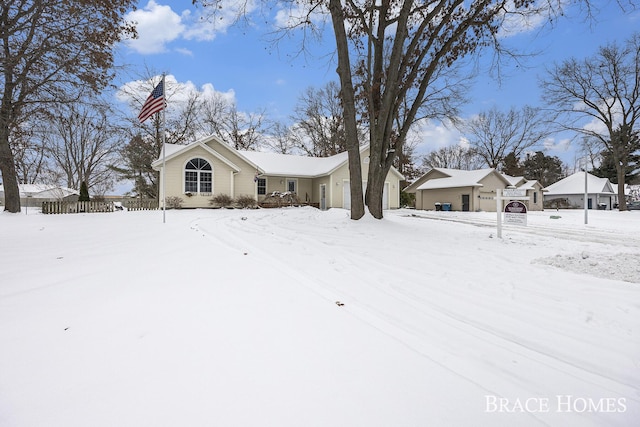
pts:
pixel 240 62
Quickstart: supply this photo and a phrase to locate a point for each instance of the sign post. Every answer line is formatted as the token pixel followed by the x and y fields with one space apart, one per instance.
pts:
pixel 515 212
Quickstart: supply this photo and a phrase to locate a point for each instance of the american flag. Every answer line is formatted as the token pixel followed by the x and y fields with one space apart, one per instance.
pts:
pixel 154 103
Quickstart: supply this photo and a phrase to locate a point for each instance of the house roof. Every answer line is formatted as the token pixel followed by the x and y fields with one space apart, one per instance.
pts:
pixel 291 165
pixel 514 180
pixel 269 163
pixel 574 184
pixel 457 178
pixel 45 191
pixel 530 185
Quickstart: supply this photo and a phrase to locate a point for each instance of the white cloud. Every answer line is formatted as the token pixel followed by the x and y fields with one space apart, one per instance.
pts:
pixel 177 92
pixel 435 135
pixel 157 25
pixel 296 13
pixel 535 16
pixel 552 145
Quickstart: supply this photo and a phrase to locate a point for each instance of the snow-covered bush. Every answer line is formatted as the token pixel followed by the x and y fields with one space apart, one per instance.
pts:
pixel 246 202
pixel 221 201
pixel 174 202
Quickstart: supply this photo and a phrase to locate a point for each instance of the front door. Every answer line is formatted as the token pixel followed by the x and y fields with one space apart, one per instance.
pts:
pixel 465 203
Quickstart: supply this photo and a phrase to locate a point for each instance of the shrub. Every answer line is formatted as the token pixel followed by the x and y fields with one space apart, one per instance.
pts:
pixel 221 200
pixel 174 202
pixel 246 202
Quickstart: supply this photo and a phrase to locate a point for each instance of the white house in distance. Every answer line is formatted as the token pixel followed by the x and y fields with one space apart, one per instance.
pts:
pixel 207 167
pixel 569 192
pixel 465 190
pixel 35 194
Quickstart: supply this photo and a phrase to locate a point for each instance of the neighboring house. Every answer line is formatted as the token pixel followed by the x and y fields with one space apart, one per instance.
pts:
pixel 534 190
pixel 569 192
pixel 473 190
pixel 198 171
pixel 35 194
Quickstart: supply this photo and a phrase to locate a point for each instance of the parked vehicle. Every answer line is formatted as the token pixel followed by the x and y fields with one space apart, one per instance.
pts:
pixel 633 206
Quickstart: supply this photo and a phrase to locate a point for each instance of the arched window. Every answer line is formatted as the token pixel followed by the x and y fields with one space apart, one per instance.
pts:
pixel 198 177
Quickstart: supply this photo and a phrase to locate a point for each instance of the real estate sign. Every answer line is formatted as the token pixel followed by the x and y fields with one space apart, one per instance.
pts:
pixel 515 213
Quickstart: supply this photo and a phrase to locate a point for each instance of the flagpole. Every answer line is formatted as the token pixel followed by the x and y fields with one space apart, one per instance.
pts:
pixel 164 141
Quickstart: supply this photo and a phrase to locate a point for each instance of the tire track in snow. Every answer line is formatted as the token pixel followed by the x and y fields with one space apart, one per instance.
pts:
pixel 230 229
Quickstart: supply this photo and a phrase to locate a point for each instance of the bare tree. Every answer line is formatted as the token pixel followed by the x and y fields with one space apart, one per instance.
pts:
pixel 30 151
pixel 280 138
pixel 318 115
pixel 84 143
pixel 604 88
pixel 453 157
pixel 50 49
pixel 494 134
pixel 221 117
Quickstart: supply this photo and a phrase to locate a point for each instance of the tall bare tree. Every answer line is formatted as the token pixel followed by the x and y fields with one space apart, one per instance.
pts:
pixel 83 142
pixel 318 115
pixel 495 134
pixel 49 49
pixel 603 88
pixel 221 117
pixel 30 148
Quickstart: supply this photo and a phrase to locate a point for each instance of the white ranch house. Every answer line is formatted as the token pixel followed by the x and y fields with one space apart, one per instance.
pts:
pixel 571 189
pixel 35 194
pixel 207 167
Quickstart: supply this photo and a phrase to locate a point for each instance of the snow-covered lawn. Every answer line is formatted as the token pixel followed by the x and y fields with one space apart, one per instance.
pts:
pixel 297 317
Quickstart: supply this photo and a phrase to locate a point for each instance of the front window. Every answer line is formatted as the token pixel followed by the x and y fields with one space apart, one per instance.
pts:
pixel 198 177
pixel 262 186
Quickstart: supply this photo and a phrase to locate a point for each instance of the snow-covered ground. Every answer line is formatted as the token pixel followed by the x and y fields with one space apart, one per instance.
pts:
pixel 297 317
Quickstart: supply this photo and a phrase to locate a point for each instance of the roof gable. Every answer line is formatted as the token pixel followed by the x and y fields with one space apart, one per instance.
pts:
pixel 173 150
pixel 454 178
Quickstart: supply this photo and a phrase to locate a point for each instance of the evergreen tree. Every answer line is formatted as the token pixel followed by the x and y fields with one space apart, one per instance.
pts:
pixel 511 165
pixel 544 169
pixel 84 193
pixel 607 168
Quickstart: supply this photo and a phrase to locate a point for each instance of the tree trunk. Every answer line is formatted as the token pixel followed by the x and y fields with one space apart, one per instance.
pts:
pixel 9 176
pixel 375 188
pixel 620 171
pixel 347 95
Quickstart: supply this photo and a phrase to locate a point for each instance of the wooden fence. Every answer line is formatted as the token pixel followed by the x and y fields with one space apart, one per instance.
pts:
pixel 76 207
pixel 140 205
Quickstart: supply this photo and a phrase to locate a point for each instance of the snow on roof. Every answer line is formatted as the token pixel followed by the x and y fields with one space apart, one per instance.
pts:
pixel 574 184
pixel 528 185
pixel 627 189
pixel 45 191
pixel 170 149
pixel 456 178
pixel 291 165
pixel 513 180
